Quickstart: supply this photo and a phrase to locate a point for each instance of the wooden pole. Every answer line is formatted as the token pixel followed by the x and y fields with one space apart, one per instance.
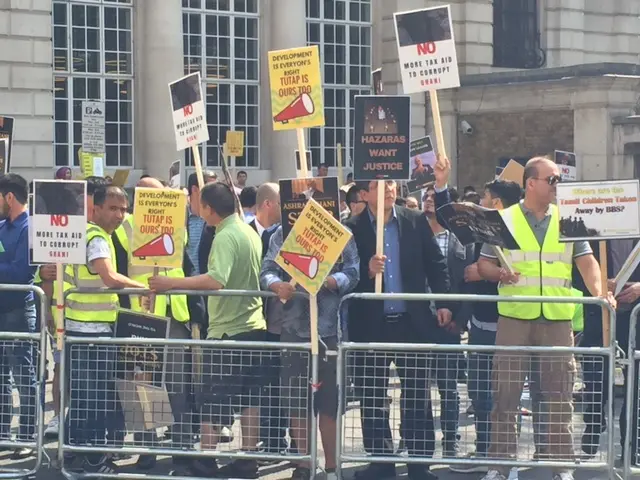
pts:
pixel 339 162
pixel 437 122
pixel 195 329
pixel 59 305
pixel 380 229
pixel 606 330
pixel 304 171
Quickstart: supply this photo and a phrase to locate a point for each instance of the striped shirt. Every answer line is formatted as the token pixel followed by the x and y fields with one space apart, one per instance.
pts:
pixel 195 226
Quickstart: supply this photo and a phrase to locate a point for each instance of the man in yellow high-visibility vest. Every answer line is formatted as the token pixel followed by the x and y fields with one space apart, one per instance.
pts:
pixel 542 267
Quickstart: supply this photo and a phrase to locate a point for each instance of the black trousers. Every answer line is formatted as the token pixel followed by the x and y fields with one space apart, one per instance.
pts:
pixel 372 380
pixel 273 422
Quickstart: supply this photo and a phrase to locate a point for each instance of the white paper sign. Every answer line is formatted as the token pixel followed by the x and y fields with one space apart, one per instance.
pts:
pixel 598 210
pixel 629 266
pixel 426 49
pixel 566 162
pixel 189 114
pixel 93 127
pixel 59 224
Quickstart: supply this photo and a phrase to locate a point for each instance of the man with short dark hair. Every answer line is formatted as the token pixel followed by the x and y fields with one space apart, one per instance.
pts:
pixel 248 198
pixel 354 199
pixel 195 223
pixel 241 179
pixel 323 170
pixel 229 383
pixel 17 313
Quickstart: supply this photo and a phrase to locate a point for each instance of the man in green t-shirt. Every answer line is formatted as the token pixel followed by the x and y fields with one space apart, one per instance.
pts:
pixel 231 377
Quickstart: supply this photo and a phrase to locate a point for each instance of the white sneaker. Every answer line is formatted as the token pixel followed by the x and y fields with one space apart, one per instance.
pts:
pixel 563 476
pixel 53 427
pixel 494 475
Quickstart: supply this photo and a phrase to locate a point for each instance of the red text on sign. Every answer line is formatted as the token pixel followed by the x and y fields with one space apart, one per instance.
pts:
pixel 59 220
pixel 428 48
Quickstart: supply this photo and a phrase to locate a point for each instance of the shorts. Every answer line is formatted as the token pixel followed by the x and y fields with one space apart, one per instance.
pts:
pixel 232 379
pixel 295 379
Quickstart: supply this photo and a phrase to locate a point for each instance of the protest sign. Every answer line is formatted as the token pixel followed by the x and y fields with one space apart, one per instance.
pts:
pixel 158 228
pixel 6 132
pixel 627 269
pixel 175 174
pixel 472 223
pixel 93 127
pixel 314 245
pixel 59 223
pixel 120 178
pixel 32 262
pixel 422 161
pixel 378 86
pixel 294 194
pixel 296 88
pixel 598 210
pixel 426 49
pixel 566 162
pixel 513 172
pixel 4 155
pixel 235 143
pixel 381 137
pixel 189 119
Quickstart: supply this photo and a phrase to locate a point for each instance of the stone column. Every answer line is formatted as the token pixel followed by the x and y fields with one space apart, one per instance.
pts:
pixel 159 51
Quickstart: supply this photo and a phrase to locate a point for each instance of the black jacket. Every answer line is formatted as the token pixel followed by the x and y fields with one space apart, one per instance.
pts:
pixel 266 236
pixel 420 260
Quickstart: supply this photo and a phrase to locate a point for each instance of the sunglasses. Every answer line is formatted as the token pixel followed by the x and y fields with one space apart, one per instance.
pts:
pixel 551 180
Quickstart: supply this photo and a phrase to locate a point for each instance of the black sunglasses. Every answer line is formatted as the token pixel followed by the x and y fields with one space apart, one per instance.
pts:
pixel 551 180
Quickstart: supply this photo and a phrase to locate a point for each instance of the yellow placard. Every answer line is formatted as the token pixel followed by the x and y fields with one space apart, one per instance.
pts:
pixel 313 246
pixel 235 143
pixel 159 217
pixel 120 178
pixel 296 88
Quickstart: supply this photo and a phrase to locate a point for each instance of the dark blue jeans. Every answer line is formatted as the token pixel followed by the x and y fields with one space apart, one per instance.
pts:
pixel 480 386
pixel 18 359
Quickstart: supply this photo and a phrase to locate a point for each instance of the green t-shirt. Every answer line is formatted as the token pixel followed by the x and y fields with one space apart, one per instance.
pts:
pixel 234 261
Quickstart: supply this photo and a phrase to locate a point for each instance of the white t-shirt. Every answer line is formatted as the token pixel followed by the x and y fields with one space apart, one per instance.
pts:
pixel 96 249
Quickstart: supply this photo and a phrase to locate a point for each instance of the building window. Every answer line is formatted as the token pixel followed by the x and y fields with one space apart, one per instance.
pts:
pixel 516 34
pixel 93 60
pixel 221 42
pixel 342 30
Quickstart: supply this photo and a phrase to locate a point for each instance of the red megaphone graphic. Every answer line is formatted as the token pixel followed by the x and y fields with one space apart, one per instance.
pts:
pixel 307 264
pixel 161 246
pixel 300 107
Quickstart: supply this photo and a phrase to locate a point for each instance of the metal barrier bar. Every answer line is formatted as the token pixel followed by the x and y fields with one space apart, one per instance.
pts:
pixel 39 340
pixel 72 342
pixel 632 396
pixel 607 352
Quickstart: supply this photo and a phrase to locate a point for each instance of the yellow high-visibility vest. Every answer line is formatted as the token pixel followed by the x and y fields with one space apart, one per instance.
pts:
pixel 94 307
pixel 178 303
pixel 577 322
pixel 544 271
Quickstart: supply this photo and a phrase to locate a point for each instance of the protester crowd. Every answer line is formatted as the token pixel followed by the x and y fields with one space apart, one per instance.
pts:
pixel 225 251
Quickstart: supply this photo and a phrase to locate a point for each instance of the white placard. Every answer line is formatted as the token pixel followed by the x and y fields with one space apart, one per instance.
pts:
pixel 566 162
pixel 93 127
pixel 59 224
pixel 189 113
pixel 426 49
pixel 629 266
pixel 598 210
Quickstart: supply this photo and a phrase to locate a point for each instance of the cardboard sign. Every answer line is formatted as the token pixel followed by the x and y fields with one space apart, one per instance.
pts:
pixel 422 163
pixel 294 194
pixel 513 172
pixel 296 88
pixel 159 218
pixel 59 223
pixel 381 137
pixel 426 49
pixel 32 262
pixel 4 155
pixel 93 129
pixel 566 162
pixel 120 178
pixel 235 143
pixel 378 87
pixel 313 247
pixel 309 162
pixel 6 131
pixel 598 210
pixel 189 113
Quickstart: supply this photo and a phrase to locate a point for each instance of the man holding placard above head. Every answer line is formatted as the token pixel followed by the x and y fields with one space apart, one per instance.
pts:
pixel 411 260
pixel 231 380
pixel 542 266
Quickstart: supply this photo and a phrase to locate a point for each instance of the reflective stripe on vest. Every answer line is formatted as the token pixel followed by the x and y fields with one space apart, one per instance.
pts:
pixel 544 271
pixel 92 307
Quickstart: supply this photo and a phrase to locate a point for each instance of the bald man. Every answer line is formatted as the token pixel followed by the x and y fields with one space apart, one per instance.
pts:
pixel 149 182
pixel 267 212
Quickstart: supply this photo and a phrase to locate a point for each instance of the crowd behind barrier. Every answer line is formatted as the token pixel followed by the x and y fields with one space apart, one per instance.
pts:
pixel 138 419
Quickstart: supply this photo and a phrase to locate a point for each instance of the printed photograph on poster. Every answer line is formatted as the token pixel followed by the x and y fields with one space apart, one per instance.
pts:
pixel 376 76
pixel 423 162
pixel 309 162
pixel 472 223
pixel 294 194
pixel 566 161
pixel 32 262
pixel 598 210
pixel 59 222
pixel 6 132
pixel 175 174
pixel 296 88
pixel 189 114
pixel 426 49
pixel 4 154
pixel 381 137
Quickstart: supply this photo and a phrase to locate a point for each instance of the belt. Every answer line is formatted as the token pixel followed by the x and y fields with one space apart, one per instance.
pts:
pixel 487 326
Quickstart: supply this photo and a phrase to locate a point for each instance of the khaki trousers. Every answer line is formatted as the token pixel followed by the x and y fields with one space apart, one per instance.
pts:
pixel 557 376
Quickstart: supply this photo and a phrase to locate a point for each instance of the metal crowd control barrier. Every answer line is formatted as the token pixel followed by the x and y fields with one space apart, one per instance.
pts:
pixel 20 346
pixel 132 426
pixel 419 364
pixel 631 448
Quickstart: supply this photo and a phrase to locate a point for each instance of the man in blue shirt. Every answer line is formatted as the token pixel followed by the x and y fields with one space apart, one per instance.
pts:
pixel 17 312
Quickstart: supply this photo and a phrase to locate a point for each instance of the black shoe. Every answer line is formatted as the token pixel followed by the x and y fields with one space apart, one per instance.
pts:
pixel 301 473
pixel 239 469
pixel 377 471
pixel 146 462
pixel 103 465
pixel 22 453
pixel 591 440
pixel 203 467
pixel 420 472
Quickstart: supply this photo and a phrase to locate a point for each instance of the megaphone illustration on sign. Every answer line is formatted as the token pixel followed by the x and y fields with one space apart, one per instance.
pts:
pixel 161 246
pixel 300 107
pixel 307 264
